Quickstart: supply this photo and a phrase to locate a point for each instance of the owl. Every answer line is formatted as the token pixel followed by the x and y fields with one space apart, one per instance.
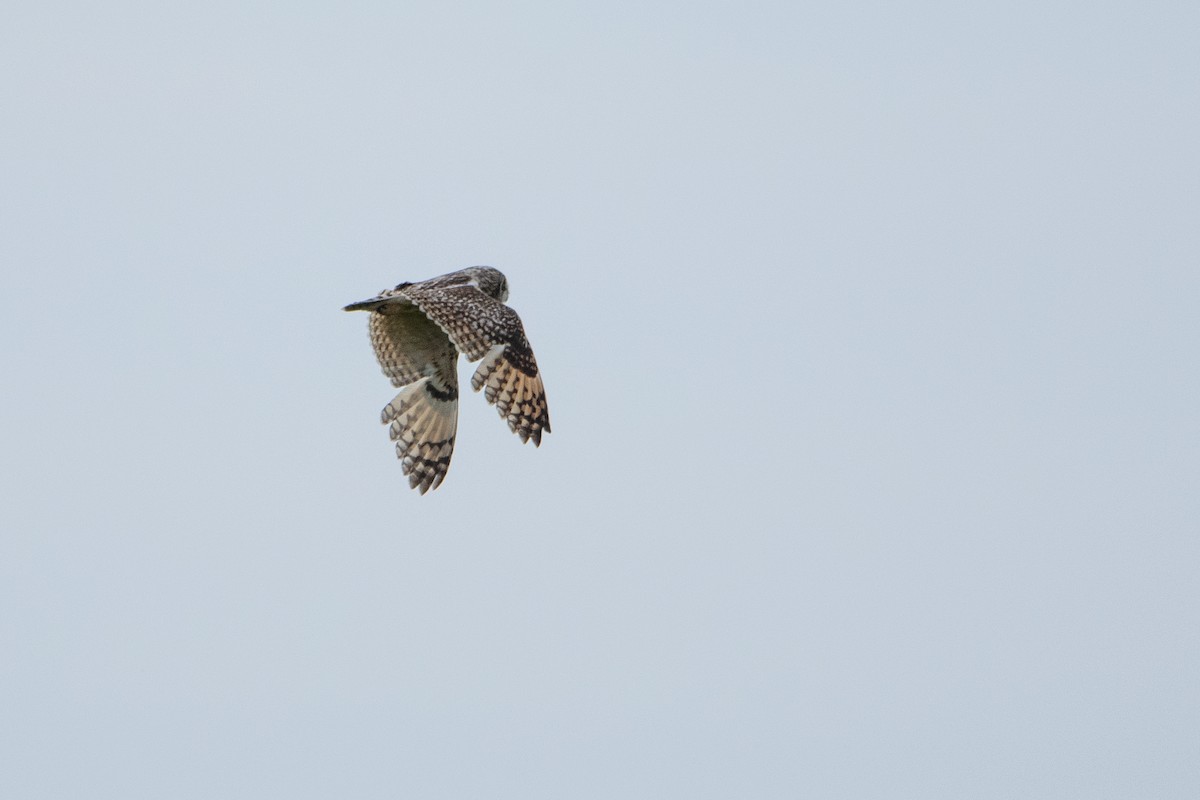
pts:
pixel 418 330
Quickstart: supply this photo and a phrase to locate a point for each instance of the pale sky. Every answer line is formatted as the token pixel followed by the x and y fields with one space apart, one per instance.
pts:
pixel 870 336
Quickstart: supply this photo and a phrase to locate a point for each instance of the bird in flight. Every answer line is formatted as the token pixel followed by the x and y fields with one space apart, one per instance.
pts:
pixel 418 330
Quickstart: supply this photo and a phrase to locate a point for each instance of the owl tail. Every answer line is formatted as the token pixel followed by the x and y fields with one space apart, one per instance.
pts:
pixel 365 305
pixel 422 420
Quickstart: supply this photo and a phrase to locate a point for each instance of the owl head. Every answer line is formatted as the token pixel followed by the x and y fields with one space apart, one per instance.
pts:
pixel 490 281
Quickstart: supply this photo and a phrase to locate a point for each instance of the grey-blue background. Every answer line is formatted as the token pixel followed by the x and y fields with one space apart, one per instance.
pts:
pixel 870 337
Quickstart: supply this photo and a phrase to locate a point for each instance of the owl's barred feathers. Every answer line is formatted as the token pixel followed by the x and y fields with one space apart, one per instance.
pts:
pixel 417 330
pixel 518 396
pixel 422 422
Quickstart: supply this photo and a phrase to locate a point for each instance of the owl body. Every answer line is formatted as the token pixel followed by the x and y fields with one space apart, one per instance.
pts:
pixel 417 330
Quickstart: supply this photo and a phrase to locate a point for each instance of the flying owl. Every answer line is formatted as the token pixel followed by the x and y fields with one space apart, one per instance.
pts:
pixel 418 330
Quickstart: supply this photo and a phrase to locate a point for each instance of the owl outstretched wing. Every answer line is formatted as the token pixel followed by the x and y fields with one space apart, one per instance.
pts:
pixel 482 327
pixel 422 419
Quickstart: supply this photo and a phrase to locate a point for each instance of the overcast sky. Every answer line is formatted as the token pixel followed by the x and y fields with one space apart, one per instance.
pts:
pixel 870 337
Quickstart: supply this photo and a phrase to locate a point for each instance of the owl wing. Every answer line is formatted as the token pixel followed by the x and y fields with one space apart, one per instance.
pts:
pixel 482 327
pixel 422 419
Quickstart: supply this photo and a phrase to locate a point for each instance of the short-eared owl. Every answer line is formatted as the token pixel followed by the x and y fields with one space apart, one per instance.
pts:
pixel 418 330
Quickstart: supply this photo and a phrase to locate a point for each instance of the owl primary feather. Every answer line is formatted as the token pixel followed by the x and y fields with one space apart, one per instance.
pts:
pixel 418 330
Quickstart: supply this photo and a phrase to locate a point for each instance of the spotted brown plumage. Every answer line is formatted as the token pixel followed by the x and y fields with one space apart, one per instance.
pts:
pixel 418 330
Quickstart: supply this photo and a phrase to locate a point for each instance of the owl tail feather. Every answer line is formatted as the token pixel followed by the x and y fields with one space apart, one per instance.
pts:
pixel 365 305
